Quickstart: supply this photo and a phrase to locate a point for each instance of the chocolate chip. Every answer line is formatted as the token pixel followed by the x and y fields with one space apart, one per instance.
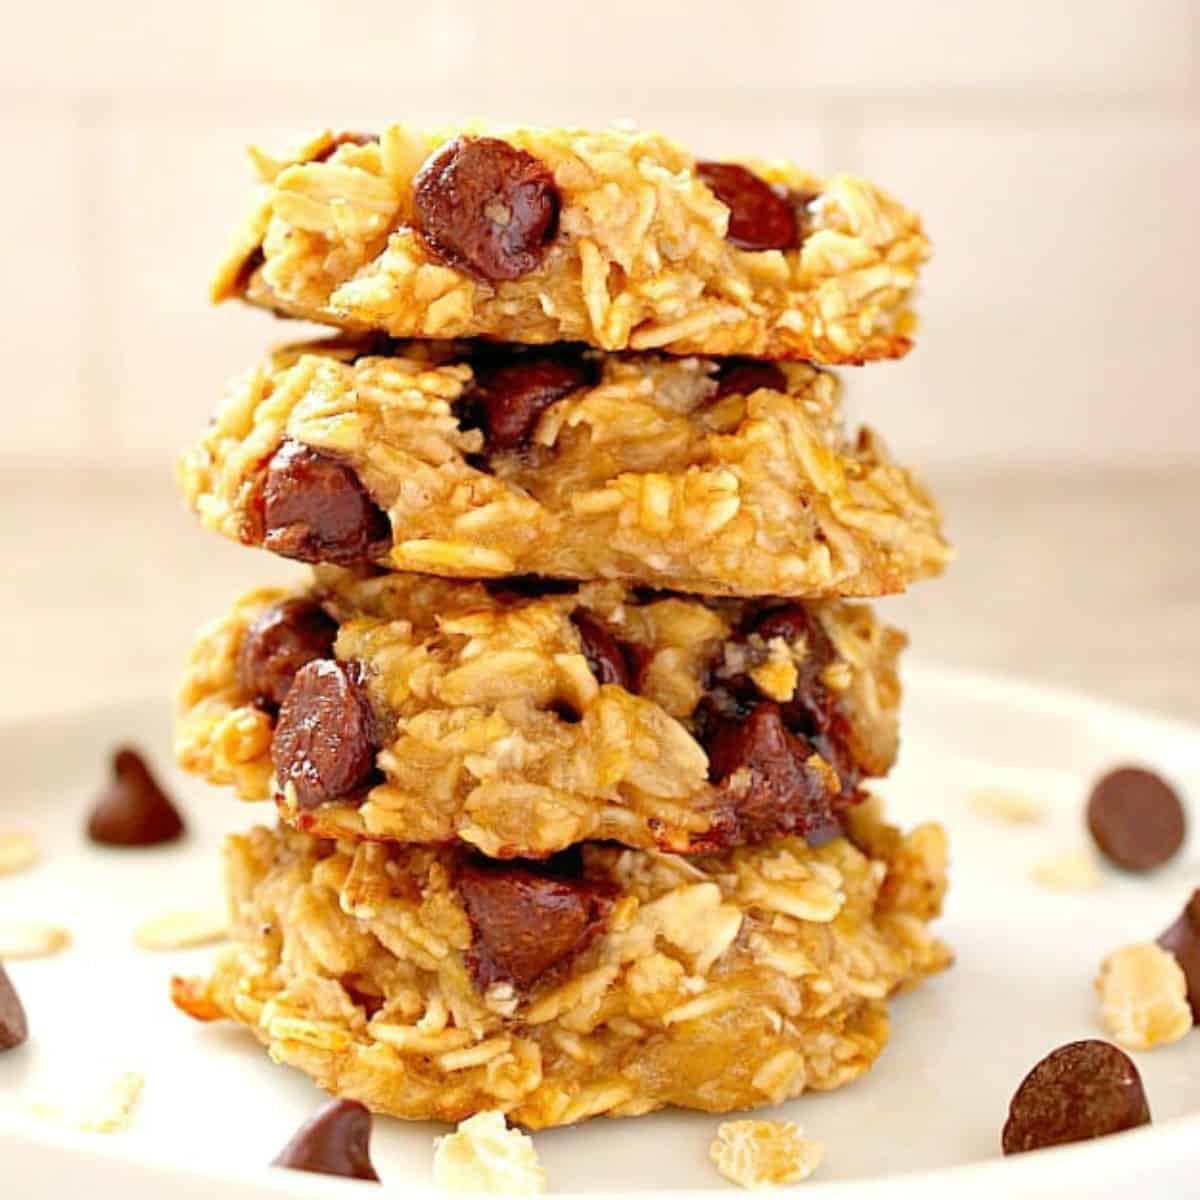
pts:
pixel 603 652
pixel 1079 1091
pixel 508 399
pixel 315 509
pixel 487 207
pixel 759 217
pixel 323 742
pixel 1183 941
pixel 1136 819
pixel 739 376
pixel 762 768
pixel 527 920
pixel 793 624
pixel 285 638
pixel 337 1141
pixel 14 1029
pixel 133 810
pixel 812 709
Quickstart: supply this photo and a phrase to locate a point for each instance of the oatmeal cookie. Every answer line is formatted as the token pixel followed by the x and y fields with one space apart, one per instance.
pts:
pixel 429 984
pixel 475 461
pixel 523 720
pixel 618 238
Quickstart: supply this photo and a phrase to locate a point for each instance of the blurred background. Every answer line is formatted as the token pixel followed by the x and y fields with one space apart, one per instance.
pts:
pixel 1053 147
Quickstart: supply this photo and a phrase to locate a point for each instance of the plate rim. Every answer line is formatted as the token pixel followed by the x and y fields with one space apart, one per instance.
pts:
pixel 1060 1166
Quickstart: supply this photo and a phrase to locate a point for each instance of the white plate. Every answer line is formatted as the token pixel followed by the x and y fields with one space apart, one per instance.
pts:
pixel 215 1109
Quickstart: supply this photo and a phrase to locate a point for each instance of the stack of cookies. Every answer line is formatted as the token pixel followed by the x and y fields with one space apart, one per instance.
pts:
pixel 570 725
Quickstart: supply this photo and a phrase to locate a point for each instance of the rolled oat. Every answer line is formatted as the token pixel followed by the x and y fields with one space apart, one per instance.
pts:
pixel 31 939
pixel 183 928
pixel 484 1156
pixel 755 1154
pixel 18 852
pixel 1143 997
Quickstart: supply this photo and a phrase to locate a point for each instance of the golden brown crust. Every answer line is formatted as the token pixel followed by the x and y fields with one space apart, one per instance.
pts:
pixel 647 474
pixel 640 261
pixel 499 733
pixel 719 984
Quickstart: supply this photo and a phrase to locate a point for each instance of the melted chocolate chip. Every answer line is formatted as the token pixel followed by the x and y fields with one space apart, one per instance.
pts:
pixel 14 1029
pixel 812 713
pixel 763 771
pixel 132 810
pixel 345 138
pixel 1136 819
pixel 508 399
pixel 486 207
pixel 337 1141
pixel 604 654
pixel 1183 941
pixel 324 741
pixel 759 217
pixel 1079 1091
pixel 315 509
pixel 528 919
pixel 528 587
pixel 282 640
pixel 741 376
pixel 811 710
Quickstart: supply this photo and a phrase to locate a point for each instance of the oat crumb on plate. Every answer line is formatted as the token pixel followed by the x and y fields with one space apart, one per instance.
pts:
pixel 1007 804
pixel 109 1112
pixel 31 939
pixel 113 1110
pixel 1143 997
pixel 755 1154
pixel 484 1155
pixel 178 930
pixel 18 852
pixel 1070 871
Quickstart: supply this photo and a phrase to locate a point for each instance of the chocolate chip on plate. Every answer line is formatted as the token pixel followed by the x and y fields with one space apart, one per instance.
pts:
pixel 1079 1091
pixel 1183 941
pixel 133 810
pixel 1136 818
pixel 337 1141
pixel 508 399
pixel 739 376
pixel 323 742
pixel 487 207
pixel 759 217
pixel 285 638
pixel 527 919
pixel 14 1029
pixel 315 509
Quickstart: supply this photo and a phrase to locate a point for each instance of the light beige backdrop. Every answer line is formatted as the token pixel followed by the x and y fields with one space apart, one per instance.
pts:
pixel 1052 145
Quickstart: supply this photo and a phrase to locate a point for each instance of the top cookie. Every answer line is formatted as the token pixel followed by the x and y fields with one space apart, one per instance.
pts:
pixel 618 239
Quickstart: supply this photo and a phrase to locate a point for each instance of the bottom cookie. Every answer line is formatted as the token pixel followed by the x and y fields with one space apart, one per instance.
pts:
pixel 432 984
